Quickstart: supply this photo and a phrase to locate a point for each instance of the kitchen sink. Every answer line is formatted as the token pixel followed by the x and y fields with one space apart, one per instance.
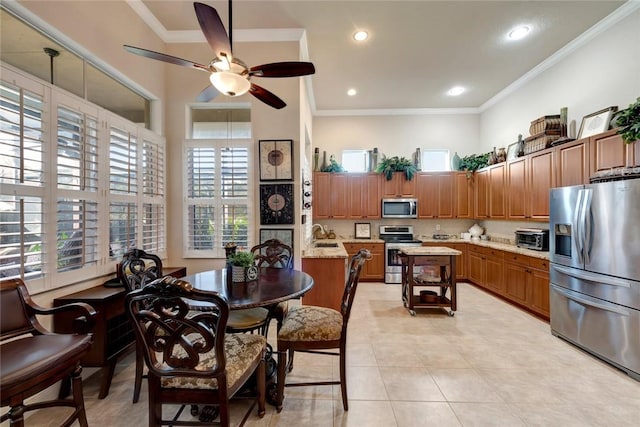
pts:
pixel 325 245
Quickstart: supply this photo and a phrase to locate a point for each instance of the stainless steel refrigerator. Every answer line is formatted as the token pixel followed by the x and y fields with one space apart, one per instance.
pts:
pixel 594 249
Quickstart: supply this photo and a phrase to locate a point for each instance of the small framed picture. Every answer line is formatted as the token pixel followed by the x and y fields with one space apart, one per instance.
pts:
pixel 276 160
pixel 597 122
pixel 512 151
pixel 363 230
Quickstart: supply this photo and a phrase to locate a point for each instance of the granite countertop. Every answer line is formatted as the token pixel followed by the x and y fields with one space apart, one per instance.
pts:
pixel 429 250
pixel 340 252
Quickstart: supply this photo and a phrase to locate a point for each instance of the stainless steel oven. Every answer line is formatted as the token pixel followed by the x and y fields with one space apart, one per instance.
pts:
pixel 395 238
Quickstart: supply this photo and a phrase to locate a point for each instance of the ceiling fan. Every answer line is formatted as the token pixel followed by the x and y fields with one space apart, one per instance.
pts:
pixel 229 75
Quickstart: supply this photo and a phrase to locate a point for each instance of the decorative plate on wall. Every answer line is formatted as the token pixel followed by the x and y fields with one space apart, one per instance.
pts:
pixel 276 160
pixel 276 204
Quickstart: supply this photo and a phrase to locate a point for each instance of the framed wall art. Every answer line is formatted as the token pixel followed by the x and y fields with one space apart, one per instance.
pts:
pixel 363 230
pixel 276 160
pixel 597 122
pixel 285 235
pixel 276 204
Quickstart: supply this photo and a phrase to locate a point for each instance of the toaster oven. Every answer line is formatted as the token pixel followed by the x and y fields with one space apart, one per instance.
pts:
pixel 533 238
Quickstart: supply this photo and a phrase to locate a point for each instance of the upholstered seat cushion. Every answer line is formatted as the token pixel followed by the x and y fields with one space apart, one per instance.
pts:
pixel 240 351
pixel 35 355
pixel 310 323
pixel 249 318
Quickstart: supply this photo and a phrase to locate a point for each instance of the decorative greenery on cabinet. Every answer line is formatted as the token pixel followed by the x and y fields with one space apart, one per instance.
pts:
pixel 389 165
pixel 629 120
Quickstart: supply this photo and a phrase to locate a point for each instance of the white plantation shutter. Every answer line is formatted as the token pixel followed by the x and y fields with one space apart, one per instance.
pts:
pixel 23 121
pixel 123 162
pixel 153 178
pixel 218 202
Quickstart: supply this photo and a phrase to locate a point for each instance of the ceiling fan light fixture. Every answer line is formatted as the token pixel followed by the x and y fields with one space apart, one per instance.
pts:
pixel 229 83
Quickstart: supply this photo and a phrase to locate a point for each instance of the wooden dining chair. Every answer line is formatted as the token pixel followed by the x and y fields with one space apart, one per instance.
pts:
pixel 311 329
pixel 190 357
pixel 136 269
pixel 33 359
pixel 271 253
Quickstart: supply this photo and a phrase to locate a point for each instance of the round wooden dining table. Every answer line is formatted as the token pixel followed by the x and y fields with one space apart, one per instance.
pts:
pixel 274 285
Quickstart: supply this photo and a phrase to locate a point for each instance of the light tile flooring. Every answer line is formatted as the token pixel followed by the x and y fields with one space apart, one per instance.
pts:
pixel 489 365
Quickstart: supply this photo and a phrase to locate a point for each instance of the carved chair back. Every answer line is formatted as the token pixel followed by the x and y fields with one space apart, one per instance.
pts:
pixel 138 268
pixel 273 253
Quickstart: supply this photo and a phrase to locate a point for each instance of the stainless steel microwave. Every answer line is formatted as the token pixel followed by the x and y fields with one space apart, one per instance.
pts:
pixel 399 208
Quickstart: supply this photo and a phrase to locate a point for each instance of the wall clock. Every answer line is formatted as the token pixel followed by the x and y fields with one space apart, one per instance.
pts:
pixel 276 160
pixel 276 204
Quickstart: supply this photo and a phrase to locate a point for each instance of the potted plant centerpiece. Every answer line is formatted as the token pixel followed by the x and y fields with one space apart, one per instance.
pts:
pixel 242 266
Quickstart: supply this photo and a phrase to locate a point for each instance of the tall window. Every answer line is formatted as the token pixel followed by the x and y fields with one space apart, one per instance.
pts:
pixel 78 186
pixel 435 160
pixel 218 181
pixel 354 160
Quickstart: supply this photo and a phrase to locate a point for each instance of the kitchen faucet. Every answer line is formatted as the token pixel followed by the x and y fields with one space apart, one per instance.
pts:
pixel 318 232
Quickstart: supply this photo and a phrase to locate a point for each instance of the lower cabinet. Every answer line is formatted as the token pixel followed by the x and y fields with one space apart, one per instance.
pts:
pixel 518 278
pixel 372 270
pixel 328 281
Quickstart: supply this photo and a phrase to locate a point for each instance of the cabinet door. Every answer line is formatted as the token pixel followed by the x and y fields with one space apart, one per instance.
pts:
pixel 375 266
pixel 607 151
pixel 517 188
pixel 497 200
pixel 481 192
pixel 516 277
pixel 572 163
pixel 476 267
pixel 427 193
pixel 371 196
pixel 446 187
pixel 339 196
pixel 463 195
pixel 355 187
pixel 321 195
pixel 493 271
pixel 540 178
pixel 538 297
pixel 398 186
pixel 633 154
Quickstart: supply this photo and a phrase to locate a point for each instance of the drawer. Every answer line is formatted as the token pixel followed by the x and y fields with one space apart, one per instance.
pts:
pixel 517 258
pixel 494 253
pixel 539 263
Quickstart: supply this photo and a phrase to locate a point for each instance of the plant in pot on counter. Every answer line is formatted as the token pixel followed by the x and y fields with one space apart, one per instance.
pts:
pixel 389 165
pixel 629 122
pixel 242 266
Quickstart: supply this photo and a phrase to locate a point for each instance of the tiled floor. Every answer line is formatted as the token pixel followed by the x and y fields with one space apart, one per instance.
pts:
pixel 489 365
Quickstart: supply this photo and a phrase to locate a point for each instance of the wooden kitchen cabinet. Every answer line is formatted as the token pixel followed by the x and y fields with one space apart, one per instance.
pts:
pixel 572 163
pixel 328 281
pixel 607 151
pixel 435 193
pixel 330 196
pixel 527 282
pixel 633 154
pixel 497 191
pixel 364 195
pixel 476 264
pixel 463 199
pixel 485 268
pixel 398 186
pixel 461 260
pixel 481 193
pixel 373 269
pixel 517 177
pixel 540 180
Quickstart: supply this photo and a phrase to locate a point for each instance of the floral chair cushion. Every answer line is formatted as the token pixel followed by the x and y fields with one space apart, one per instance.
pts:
pixel 240 350
pixel 310 323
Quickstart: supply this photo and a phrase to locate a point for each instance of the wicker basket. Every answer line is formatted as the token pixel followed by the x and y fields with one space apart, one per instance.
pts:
pixel 540 141
pixel 545 123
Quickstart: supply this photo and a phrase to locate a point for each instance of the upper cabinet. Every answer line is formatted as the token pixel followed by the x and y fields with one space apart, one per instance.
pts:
pixel 435 193
pixel 572 163
pixel 497 191
pixel 529 180
pixel 481 192
pixel 364 195
pixel 398 186
pixel 463 195
pixel 346 195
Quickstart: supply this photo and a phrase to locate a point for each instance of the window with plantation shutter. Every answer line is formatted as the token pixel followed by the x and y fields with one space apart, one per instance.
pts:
pixel 218 183
pixel 153 212
pixel 77 181
pixel 23 120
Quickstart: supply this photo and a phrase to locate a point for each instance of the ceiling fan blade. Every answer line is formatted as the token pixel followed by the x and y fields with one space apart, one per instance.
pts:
pixel 267 97
pixel 213 29
pixel 165 58
pixel 207 94
pixel 283 69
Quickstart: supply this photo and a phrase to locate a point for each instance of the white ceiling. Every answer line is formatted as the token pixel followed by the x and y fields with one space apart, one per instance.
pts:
pixel 417 49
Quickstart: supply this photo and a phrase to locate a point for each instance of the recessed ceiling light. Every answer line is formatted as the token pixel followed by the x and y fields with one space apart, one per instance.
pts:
pixel 351 92
pixel 519 32
pixel 455 91
pixel 360 35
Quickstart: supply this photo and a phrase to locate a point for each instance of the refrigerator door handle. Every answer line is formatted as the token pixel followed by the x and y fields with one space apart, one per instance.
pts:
pixel 585 275
pixel 586 223
pixel 578 225
pixel 584 301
